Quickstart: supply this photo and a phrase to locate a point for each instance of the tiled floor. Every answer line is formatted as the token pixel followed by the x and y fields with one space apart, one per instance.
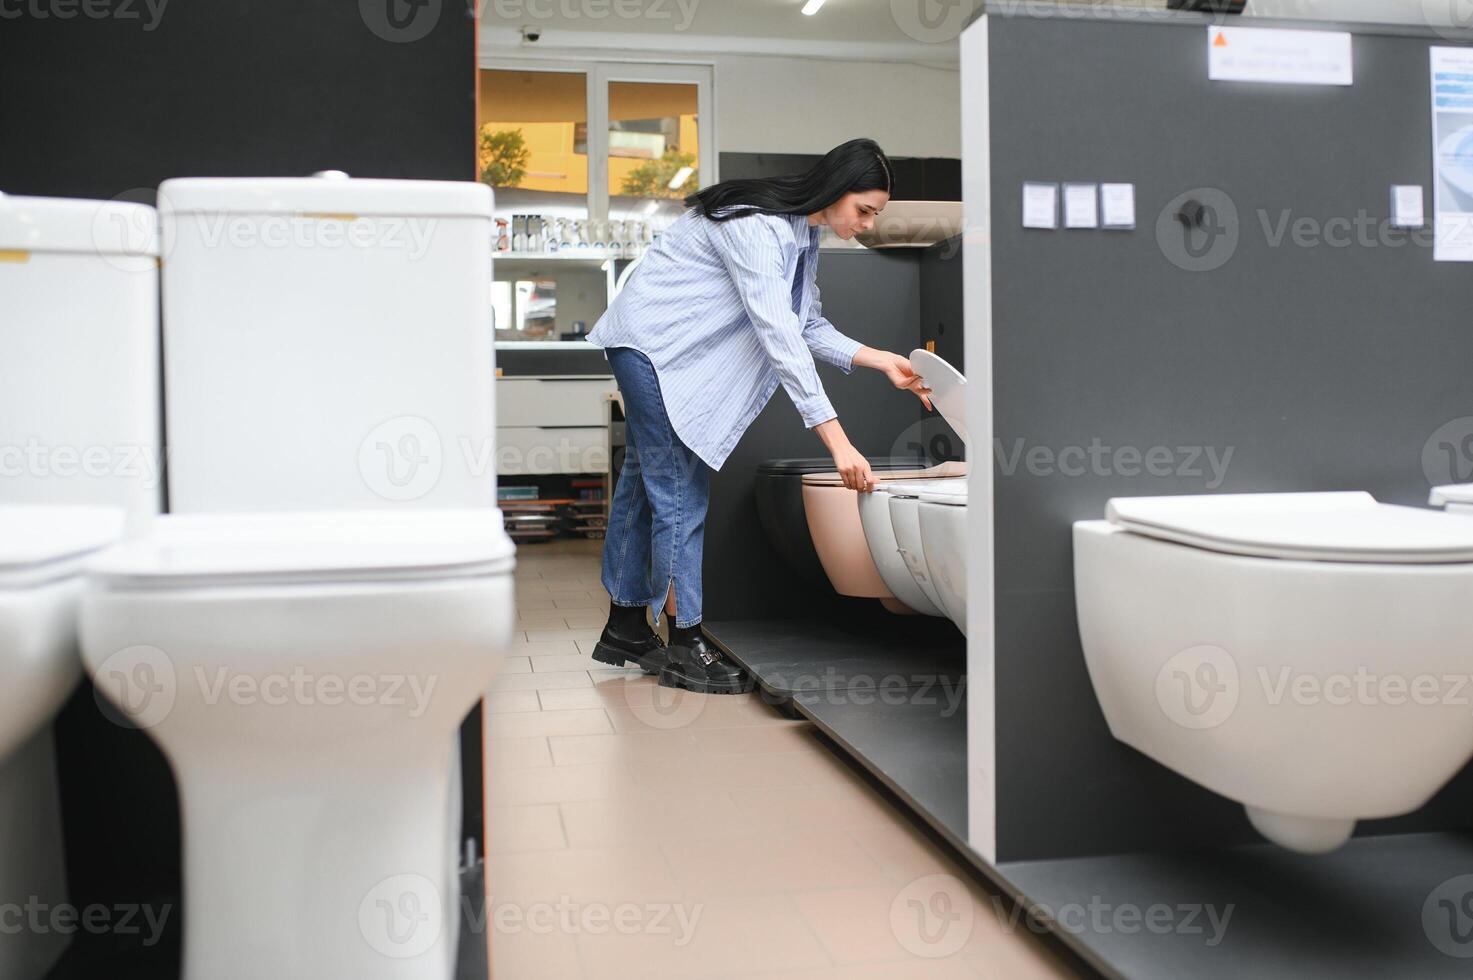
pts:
pixel 645 833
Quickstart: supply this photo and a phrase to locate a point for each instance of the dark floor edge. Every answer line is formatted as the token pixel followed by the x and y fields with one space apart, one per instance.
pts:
pixel 1061 942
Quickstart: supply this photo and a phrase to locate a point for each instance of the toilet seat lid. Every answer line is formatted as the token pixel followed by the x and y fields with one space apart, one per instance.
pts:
pixel 953 493
pixel 1342 527
pixel 948 389
pixel 35 536
pixel 297 547
pixel 1457 493
pixel 942 472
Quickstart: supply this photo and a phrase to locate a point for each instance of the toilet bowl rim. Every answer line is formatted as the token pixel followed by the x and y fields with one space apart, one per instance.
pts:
pixel 1348 560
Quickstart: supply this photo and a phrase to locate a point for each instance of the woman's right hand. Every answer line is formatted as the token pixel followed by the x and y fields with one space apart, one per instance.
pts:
pixel 853 467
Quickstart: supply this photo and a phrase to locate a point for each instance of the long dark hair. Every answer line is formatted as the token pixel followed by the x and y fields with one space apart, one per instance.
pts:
pixel 858 165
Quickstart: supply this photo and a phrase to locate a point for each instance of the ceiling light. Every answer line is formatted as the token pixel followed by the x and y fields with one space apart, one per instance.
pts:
pixel 811 7
pixel 682 175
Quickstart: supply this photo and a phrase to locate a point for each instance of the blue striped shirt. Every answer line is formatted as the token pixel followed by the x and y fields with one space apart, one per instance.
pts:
pixel 726 311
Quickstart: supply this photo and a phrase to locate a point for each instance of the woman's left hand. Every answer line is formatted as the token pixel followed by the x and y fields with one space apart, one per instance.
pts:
pixel 897 368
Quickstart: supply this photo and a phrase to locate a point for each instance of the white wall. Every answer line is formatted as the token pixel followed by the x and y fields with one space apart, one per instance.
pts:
pixel 793 104
pixel 790 105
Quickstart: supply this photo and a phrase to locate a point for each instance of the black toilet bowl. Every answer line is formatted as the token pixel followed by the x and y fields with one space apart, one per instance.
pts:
pixel 780 508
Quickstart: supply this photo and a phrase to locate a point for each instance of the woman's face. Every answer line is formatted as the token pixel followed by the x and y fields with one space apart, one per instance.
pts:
pixel 855 212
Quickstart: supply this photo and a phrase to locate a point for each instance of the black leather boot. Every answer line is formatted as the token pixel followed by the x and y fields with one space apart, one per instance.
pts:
pixel 627 637
pixel 697 666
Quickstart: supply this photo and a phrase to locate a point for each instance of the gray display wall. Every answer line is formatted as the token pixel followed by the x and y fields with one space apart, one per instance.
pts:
pixel 1301 366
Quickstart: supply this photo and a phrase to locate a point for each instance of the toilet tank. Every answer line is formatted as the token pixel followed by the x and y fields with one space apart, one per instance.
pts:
pixel 79 355
pixel 327 343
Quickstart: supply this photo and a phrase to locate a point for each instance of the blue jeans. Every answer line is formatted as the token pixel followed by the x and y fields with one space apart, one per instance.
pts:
pixel 657 519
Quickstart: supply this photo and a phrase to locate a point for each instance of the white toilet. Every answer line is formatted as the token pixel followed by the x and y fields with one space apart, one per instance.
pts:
pixel 1293 652
pixel 79 440
pixel 943 520
pixel 891 513
pixel 305 635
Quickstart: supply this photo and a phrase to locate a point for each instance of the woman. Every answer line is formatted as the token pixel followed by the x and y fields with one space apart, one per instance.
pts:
pixel 722 310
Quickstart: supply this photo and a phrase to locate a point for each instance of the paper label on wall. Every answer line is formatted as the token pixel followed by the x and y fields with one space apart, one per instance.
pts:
pixel 1040 205
pixel 1261 54
pixel 1407 210
pixel 1081 206
pixel 1452 154
pixel 1118 203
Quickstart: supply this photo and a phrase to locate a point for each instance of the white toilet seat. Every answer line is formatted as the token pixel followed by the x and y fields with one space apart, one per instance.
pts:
pixel 289 548
pixel 40 543
pixel 1349 527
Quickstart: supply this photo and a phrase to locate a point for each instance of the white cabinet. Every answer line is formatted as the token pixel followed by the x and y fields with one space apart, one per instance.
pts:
pixel 552 425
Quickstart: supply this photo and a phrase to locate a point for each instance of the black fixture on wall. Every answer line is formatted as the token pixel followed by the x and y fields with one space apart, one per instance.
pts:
pixel 916 178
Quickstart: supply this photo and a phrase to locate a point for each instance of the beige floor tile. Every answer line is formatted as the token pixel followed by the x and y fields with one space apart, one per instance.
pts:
pixel 516 665
pixel 864 925
pixel 518 953
pixel 530 587
pixel 757 740
pixel 541 681
pixel 500 701
pixel 561 784
pixel 586 619
pixel 901 849
pixel 915 969
pixel 623 819
pixel 546 648
pixel 505 754
pixel 711 711
pixel 532 601
pixel 566 661
pixel 536 635
pixel 836 803
pixel 583 876
pixel 638 689
pixel 523 724
pixel 572 698
pixel 582 600
pixel 512 829
pixel 769 863
pixel 728 937
pixel 557 585
pixel 609 673
pixel 549 619
pixel 628 749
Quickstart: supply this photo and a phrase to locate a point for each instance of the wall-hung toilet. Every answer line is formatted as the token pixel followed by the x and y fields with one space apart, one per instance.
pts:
pixel 779 495
pixel 844 542
pixel 79 453
pixel 305 633
pixel 1298 653
pixel 942 513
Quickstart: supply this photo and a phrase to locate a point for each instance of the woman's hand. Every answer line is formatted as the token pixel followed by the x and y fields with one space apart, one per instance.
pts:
pixel 850 462
pixel 897 369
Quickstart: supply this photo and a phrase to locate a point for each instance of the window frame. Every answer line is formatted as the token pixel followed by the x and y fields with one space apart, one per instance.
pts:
pixel 598 74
